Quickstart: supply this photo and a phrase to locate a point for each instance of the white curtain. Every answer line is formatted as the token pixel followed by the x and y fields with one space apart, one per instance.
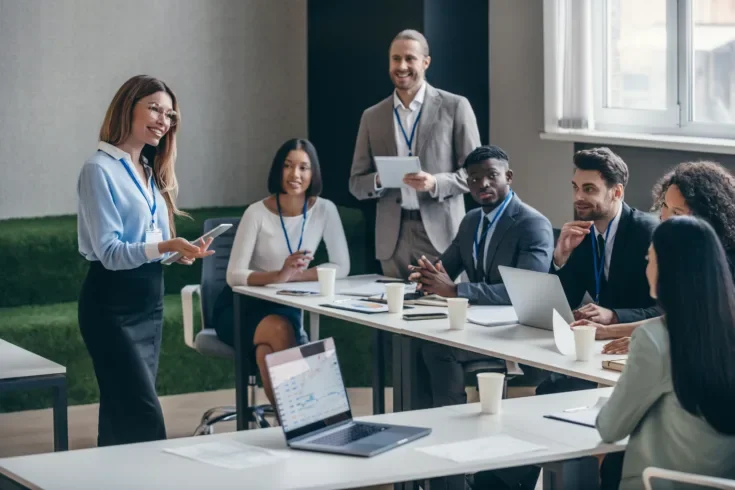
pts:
pixel 574 64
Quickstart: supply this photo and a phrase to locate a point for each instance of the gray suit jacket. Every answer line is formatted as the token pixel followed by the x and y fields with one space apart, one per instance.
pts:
pixel 446 134
pixel 644 406
pixel 522 238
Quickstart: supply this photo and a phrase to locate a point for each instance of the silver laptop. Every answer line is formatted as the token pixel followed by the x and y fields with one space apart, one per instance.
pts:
pixel 314 410
pixel 534 296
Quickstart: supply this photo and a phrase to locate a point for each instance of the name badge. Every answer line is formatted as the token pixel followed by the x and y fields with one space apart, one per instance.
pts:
pixel 153 235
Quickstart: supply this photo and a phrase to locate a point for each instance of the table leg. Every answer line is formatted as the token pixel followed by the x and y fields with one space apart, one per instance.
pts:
pixel 397 372
pixel 575 474
pixel 241 367
pixel 378 371
pixel 61 427
pixel 313 326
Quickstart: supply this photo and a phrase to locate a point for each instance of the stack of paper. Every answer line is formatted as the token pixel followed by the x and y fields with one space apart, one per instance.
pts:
pixel 488 316
pixel 483 449
pixel 229 454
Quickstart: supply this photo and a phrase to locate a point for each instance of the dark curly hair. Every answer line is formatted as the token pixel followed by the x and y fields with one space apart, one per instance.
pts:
pixel 709 191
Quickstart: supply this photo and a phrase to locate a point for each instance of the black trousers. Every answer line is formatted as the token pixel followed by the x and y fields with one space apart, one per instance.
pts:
pixel 120 318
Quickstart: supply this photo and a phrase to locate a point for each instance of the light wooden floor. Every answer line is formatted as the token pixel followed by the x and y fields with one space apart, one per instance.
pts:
pixel 31 432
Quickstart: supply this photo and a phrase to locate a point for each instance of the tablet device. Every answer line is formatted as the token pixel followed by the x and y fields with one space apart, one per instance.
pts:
pixel 213 233
pixel 392 170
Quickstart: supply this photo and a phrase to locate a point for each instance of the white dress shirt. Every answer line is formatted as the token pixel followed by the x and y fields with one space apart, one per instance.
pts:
pixel 610 238
pixel 408 115
pixel 498 211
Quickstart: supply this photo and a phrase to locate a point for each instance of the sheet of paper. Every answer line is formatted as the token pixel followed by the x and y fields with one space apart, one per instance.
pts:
pixel 229 454
pixel 563 335
pixel 392 170
pixel 483 449
pixel 489 316
pixel 372 289
pixel 360 305
pixel 586 416
pixel 312 286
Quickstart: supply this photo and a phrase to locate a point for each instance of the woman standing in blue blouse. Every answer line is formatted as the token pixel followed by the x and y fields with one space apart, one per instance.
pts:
pixel 125 226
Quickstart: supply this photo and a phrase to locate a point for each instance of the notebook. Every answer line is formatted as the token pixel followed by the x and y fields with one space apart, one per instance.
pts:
pixel 614 364
pixel 585 416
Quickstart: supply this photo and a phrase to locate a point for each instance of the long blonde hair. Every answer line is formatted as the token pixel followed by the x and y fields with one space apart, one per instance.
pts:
pixel 117 126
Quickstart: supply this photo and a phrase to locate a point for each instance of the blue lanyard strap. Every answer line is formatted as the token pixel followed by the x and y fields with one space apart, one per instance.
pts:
pixel 599 268
pixel 153 191
pixel 409 141
pixel 283 225
pixel 495 218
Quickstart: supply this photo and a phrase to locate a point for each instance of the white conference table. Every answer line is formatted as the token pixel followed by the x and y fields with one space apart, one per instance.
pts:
pixel 144 466
pixel 527 345
pixel 23 370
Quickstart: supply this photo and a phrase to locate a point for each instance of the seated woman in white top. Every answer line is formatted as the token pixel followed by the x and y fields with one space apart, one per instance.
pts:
pixel 274 244
pixel 676 395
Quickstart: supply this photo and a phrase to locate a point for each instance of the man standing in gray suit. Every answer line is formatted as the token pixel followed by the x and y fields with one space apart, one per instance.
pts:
pixel 505 231
pixel 438 127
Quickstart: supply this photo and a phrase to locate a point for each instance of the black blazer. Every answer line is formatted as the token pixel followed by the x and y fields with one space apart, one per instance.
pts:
pixel 522 238
pixel 626 290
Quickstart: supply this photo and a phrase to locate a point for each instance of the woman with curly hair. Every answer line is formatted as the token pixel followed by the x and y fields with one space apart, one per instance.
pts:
pixel 702 189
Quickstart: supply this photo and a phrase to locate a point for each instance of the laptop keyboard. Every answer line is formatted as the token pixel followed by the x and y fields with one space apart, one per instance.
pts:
pixel 350 434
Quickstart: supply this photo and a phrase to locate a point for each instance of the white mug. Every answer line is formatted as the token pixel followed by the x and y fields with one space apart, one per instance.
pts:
pixel 394 293
pixel 491 391
pixel 457 312
pixel 584 341
pixel 327 276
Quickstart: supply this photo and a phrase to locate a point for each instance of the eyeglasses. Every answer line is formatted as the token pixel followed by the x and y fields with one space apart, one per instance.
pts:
pixel 171 117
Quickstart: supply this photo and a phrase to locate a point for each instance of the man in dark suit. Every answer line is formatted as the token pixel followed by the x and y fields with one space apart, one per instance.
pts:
pixel 505 231
pixel 603 252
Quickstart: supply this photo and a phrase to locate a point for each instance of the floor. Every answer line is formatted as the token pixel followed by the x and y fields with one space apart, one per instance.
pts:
pixel 30 432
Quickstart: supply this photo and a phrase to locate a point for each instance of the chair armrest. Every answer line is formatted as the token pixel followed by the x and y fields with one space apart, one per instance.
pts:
pixel 187 305
pixel 681 477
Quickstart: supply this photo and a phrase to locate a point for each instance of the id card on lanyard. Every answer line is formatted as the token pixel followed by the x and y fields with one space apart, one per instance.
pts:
pixel 599 268
pixel 481 241
pixel 283 225
pixel 153 233
pixel 409 141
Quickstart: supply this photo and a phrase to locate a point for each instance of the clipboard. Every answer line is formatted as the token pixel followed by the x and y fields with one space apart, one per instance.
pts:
pixel 360 306
pixel 392 170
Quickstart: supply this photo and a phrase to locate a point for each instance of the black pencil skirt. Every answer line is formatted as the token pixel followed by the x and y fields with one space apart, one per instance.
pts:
pixel 120 318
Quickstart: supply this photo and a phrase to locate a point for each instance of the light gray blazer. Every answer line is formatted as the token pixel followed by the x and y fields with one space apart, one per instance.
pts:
pixel 446 134
pixel 644 406
pixel 522 238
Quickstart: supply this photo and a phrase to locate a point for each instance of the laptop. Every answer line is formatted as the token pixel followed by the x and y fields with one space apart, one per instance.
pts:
pixel 314 410
pixel 534 296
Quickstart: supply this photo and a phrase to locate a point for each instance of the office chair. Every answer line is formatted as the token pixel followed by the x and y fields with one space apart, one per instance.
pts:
pixel 206 342
pixel 677 476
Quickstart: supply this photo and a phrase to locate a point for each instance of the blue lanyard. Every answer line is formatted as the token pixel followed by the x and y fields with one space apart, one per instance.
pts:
pixel 283 225
pixel 409 141
pixel 153 192
pixel 495 218
pixel 599 268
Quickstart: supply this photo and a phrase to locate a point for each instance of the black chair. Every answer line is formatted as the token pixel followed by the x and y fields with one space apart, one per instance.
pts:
pixel 206 342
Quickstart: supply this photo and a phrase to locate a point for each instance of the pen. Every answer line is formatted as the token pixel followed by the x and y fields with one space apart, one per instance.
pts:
pixel 577 409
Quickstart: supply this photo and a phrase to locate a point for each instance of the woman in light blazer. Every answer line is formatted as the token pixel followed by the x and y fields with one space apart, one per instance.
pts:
pixel 676 395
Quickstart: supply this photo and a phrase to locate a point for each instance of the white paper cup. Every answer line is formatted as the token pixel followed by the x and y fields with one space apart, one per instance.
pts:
pixel 584 342
pixel 327 276
pixel 394 293
pixel 457 313
pixel 491 391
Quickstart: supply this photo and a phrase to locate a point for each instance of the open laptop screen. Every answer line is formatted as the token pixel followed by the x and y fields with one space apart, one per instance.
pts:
pixel 308 387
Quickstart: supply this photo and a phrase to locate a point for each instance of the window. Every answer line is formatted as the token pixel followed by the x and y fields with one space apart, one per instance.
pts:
pixel 657 66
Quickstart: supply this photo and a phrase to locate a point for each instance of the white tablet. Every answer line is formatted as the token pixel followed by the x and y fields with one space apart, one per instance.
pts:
pixel 213 233
pixel 392 170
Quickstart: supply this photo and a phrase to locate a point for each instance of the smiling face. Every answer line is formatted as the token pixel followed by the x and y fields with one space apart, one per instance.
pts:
pixel 153 116
pixel 489 182
pixel 296 173
pixel 407 64
pixel 593 200
pixel 674 203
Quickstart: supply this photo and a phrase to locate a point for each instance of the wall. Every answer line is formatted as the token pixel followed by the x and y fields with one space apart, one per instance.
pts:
pixel 238 68
pixel 542 168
